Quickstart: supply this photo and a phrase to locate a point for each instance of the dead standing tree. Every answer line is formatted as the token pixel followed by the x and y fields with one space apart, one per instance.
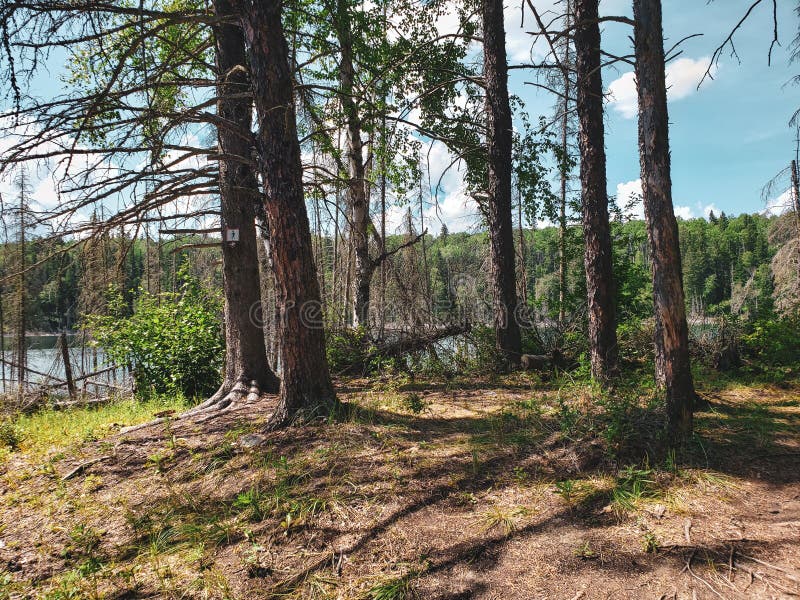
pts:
pixel 584 29
pixel 596 228
pixel 498 203
pixel 672 335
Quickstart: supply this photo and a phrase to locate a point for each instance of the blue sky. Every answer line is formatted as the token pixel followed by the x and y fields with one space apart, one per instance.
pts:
pixel 730 137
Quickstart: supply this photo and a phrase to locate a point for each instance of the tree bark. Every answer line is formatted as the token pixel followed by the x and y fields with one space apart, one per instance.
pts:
pixel 306 388
pixel 672 334
pixel 246 364
pixel 498 209
pixel 796 206
pixel 566 62
pixel 596 229
pixel 357 198
pixel 22 290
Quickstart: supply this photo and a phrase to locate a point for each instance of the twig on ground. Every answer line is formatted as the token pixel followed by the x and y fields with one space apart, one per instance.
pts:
pixel 85 465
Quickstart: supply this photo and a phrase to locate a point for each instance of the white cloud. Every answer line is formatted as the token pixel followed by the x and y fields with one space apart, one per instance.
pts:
pixel 520 46
pixel 622 92
pixel 454 208
pixel 683 75
pixel 629 199
pixel 779 205
pixel 709 208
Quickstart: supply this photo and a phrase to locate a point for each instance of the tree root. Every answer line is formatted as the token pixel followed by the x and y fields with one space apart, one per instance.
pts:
pixel 227 398
pixel 285 417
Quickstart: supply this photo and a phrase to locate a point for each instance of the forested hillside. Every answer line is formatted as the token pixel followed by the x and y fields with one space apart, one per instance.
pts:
pixel 727 265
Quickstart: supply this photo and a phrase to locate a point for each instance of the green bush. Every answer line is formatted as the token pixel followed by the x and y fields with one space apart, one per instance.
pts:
pixel 173 341
pixel 348 350
pixel 775 342
pixel 10 435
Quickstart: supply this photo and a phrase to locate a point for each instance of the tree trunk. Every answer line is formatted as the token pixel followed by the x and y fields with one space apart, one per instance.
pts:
pixel 22 291
pixel 498 141
pixel 672 335
pixel 523 268
pixel 566 62
pixel 246 365
pixel 796 206
pixel 306 388
pixel 357 198
pixel 596 230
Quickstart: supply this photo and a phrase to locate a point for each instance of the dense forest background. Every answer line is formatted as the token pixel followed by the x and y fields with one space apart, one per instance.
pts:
pixel 732 266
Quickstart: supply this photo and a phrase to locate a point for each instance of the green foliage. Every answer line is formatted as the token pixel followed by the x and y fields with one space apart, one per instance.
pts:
pixel 483 356
pixel 775 342
pixel 632 485
pixel 10 435
pixel 414 402
pixel 566 489
pixel 635 340
pixel 569 418
pixel 253 503
pixel 585 551
pixel 398 588
pixel 347 349
pixel 46 429
pixel 619 419
pixel 650 543
pixel 173 341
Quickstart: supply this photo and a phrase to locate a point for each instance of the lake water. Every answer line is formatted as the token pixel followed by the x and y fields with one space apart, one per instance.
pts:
pixel 44 356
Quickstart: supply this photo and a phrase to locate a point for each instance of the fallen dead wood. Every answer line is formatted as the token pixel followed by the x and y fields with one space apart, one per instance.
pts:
pixel 414 343
pixel 364 350
pixel 81 402
pixel 34 371
pixel 87 376
pixel 543 362
pixel 85 465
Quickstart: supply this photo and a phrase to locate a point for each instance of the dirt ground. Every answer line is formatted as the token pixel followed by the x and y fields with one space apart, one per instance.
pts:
pixel 427 491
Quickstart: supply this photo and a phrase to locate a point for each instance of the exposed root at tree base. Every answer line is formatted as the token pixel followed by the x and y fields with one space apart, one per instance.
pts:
pixel 284 417
pixel 227 398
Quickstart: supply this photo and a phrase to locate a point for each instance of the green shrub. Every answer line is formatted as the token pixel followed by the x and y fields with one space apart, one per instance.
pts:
pixel 482 356
pixel 173 341
pixel 10 435
pixel 348 350
pixel 775 342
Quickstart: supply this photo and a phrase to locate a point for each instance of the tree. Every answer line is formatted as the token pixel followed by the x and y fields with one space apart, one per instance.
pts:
pixel 247 370
pixel 499 152
pixel 566 116
pixel 306 388
pixel 796 206
pixel 132 73
pixel 21 296
pixel 596 230
pixel 357 198
pixel 672 334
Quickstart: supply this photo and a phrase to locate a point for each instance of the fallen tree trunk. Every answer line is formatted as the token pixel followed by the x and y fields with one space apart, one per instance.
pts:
pixel 362 351
pixel 413 343
pixel 34 371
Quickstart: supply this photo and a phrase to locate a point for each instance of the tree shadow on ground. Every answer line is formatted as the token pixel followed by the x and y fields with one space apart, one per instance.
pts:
pixel 411 467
